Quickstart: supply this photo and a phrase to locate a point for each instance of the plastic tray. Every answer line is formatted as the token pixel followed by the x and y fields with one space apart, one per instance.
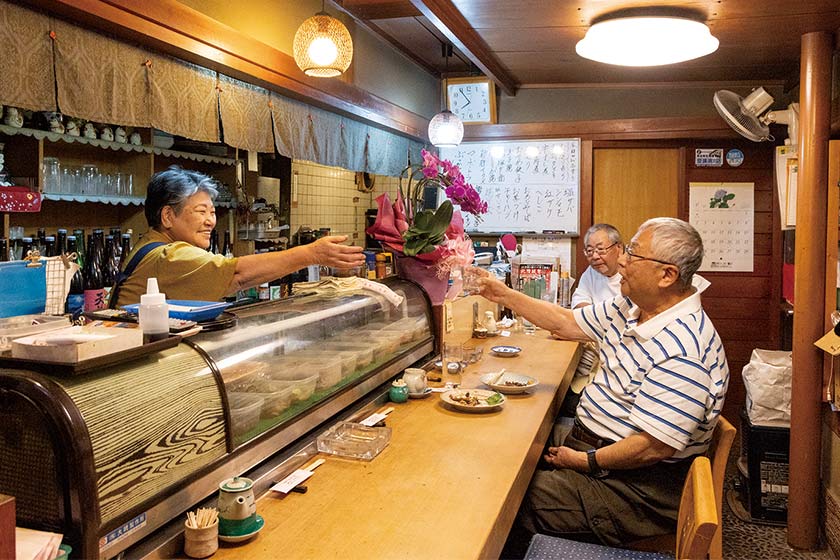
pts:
pixel 189 310
pixel 349 439
pixel 25 325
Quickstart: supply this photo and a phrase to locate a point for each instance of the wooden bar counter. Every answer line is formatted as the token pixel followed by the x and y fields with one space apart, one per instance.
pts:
pixel 448 485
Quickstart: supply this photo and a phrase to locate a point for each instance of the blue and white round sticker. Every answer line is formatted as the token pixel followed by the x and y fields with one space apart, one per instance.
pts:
pixel 734 157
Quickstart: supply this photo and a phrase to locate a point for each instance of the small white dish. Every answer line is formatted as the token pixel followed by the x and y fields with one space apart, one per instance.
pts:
pixel 509 383
pixel 506 351
pixel 426 392
pixel 258 521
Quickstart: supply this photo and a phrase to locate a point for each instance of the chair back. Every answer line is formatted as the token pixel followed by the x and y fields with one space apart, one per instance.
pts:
pixel 718 454
pixel 697 520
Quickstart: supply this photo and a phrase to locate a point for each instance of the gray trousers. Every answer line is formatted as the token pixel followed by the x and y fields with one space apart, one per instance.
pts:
pixel 624 506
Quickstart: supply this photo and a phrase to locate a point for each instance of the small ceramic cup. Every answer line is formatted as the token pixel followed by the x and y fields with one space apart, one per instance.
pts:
pixel 415 378
pixel 201 543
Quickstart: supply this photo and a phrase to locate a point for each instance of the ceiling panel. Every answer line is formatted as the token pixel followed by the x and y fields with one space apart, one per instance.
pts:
pixel 534 40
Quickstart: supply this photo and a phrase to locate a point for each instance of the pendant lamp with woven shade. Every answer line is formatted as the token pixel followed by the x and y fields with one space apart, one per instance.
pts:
pixel 323 47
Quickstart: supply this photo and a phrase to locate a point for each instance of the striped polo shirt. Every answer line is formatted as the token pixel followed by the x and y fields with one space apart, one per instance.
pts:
pixel 667 376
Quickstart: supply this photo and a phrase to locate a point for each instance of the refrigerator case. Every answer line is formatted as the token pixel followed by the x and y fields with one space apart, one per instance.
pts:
pixel 109 456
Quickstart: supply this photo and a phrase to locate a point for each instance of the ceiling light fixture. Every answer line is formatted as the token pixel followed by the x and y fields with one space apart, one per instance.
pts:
pixel 323 47
pixel 445 129
pixel 646 40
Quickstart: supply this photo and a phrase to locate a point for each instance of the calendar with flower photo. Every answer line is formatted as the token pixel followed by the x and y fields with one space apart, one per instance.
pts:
pixel 724 215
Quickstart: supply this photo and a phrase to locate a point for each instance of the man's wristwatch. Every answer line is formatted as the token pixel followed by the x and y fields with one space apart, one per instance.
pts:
pixel 594 469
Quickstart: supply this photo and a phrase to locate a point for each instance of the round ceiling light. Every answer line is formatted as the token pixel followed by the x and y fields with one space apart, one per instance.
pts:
pixel 323 47
pixel 446 130
pixel 646 41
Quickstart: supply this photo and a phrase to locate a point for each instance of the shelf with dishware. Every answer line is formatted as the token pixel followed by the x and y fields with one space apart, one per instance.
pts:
pixel 92 182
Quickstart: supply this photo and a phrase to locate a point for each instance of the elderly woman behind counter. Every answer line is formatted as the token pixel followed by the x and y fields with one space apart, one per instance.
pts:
pixel 181 215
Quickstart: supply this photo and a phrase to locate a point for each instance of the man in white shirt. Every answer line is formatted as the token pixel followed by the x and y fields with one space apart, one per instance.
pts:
pixel 651 408
pixel 601 280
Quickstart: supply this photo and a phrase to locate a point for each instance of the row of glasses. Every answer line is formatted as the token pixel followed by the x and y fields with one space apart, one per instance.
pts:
pixel 85 179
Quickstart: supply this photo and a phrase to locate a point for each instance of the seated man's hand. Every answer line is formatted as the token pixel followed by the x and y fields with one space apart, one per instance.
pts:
pixel 330 251
pixel 563 458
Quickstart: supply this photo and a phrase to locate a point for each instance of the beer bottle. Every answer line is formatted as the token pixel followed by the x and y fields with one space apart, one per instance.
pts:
pixel 61 242
pixel 4 249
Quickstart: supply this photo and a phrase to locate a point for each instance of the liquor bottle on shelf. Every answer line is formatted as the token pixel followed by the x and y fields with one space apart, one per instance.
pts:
pixel 4 249
pixel 94 282
pixel 116 231
pixel 61 242
pixel 125 250
pixel 109 265
pixel 76 297
pixel 80 245
pixel 227 248
pixel 49 246
pixel 214 242
pixel 41 240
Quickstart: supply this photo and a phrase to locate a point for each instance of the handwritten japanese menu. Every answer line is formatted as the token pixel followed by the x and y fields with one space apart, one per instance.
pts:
pixel 529 186
pixel 723 214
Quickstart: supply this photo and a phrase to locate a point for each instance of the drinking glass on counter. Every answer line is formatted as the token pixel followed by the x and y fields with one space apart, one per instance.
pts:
pixel 452 356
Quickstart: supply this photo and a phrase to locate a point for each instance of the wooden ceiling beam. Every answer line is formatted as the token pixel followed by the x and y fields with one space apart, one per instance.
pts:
pixel 449 21
pixel 613 129
pixel 378 9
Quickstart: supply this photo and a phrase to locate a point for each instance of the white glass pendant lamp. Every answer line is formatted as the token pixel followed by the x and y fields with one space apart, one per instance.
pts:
pixel 323 47
pixel 445 129
pixel 646 40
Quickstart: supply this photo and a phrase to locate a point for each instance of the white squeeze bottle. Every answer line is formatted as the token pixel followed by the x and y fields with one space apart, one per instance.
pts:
pixel 154 313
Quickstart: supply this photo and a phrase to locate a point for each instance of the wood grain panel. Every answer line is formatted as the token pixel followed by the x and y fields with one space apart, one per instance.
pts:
pixel 7 526
pixel 735 308
pixel 743 329
pixel 175 428
pixel 745 287
pixel 632 185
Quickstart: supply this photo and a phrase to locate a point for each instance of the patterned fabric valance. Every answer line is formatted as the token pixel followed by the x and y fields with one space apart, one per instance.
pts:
pixel 246 115
pixel 99 78
pixel 103 79
pixel 26 64
pixel 183 99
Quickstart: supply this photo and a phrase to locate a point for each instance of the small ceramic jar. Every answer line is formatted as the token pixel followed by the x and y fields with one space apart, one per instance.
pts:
pixel 399 391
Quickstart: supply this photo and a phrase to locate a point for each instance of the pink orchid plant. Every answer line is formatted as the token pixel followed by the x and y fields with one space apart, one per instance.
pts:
pixel 433 236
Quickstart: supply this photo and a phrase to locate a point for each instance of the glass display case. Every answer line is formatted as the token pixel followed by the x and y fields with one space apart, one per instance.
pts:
pixel 108 456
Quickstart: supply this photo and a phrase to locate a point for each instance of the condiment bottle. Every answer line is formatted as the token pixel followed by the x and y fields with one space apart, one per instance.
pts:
pixel 399 391
pixel 154 313
pixel 380 266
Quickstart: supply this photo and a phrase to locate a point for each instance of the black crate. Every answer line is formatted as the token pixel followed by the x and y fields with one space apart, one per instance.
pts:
pixel 766 452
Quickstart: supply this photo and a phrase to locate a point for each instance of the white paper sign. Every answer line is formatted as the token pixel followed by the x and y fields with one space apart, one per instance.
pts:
pixel 723 214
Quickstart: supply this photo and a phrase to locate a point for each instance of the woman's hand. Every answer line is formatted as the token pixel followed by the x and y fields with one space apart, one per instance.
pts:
pixel 488 285
pixel 330 251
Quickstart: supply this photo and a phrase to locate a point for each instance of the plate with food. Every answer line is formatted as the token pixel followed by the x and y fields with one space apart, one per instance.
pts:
pixel 509 383
pixel 506 351
pixel 473 400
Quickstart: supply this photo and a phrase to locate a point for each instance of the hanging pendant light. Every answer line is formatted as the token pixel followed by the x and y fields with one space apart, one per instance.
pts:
pixel 323 47
pixel 445 129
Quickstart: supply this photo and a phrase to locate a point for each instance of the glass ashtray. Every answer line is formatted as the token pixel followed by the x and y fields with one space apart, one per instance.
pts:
pixel 349 439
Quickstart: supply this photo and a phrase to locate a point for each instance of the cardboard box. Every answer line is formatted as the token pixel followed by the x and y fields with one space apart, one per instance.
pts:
pixel 76 344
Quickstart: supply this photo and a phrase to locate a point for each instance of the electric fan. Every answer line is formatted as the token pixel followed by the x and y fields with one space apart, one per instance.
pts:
pixel 746 115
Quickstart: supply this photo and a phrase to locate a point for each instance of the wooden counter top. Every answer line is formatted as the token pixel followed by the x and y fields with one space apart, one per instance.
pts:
pixel 448 485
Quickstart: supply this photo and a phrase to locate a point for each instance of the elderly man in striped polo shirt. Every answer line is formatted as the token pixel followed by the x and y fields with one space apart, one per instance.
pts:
pixel 649 410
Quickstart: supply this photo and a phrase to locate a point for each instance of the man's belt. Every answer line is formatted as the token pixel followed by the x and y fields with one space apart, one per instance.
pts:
pixel 582 433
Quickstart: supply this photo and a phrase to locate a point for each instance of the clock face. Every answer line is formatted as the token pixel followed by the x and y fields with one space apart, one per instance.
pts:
pixel 470 101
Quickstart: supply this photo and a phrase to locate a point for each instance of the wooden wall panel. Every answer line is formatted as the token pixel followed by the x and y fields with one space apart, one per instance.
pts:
pixel 745 306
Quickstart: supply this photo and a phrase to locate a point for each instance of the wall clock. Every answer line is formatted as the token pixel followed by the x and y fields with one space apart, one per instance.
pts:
pixel 472 99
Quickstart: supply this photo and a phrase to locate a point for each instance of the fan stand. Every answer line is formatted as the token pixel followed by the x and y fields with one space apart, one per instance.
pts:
pixel 789 117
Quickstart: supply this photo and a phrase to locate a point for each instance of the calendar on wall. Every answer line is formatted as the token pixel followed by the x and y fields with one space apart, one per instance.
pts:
pixel 723 214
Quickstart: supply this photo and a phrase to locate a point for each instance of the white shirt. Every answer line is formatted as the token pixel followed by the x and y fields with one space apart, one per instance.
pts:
pixel 594 287
pixel 666 377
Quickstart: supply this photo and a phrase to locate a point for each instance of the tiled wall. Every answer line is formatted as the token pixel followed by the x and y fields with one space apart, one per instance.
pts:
pixel 325 196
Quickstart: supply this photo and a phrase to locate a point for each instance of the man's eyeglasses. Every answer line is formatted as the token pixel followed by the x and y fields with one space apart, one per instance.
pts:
pixel 600 251
pixel 631 254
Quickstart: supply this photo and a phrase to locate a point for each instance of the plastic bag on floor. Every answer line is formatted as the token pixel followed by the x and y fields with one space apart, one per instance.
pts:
pixel 767 379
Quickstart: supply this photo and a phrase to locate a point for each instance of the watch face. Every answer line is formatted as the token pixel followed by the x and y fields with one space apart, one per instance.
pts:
pixel 471 102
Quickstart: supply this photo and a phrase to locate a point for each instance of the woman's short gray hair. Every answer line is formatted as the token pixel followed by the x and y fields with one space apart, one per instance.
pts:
pixel 612 233
pixel 172 188
pixel 676 242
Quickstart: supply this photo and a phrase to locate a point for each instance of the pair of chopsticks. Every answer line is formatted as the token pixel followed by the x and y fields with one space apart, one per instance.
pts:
pixel 202 518
pixel 499 377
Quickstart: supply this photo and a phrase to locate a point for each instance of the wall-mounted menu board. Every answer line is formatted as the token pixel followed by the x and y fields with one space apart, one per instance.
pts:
pixel 529 186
